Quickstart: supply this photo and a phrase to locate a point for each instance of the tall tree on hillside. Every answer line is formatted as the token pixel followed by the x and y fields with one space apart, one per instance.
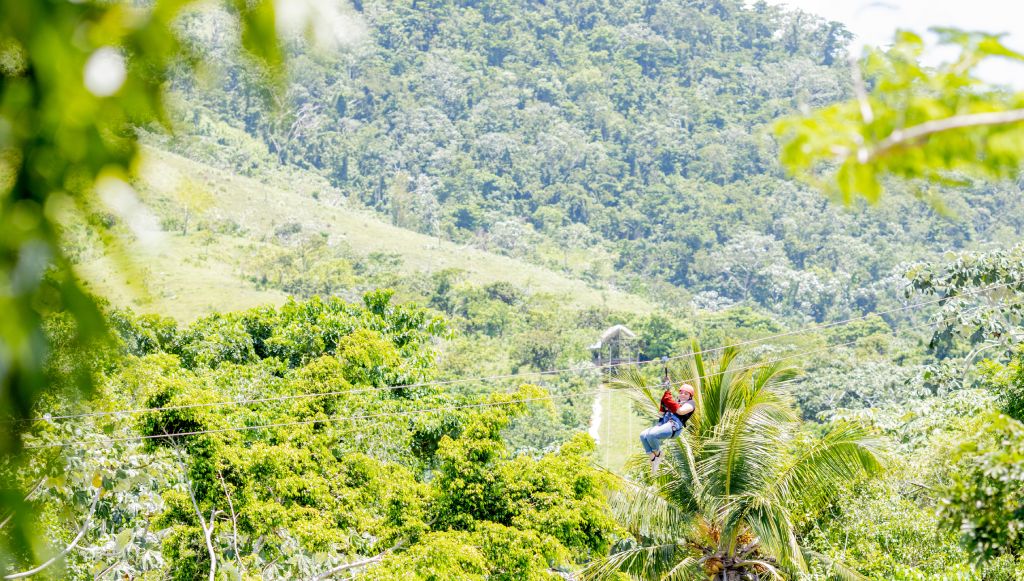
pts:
pixel 724 505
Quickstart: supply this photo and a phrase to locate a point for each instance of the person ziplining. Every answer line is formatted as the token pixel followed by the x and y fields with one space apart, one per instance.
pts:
pixel 675 411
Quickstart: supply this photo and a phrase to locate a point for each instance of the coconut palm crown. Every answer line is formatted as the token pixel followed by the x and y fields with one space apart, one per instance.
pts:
pixel 722 505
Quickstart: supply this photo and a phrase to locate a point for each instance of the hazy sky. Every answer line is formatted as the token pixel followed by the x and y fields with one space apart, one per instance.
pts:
pixel 875 21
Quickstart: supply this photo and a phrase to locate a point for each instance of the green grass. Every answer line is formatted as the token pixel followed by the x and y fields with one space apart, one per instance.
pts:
pixel 619 430
pixel 188 276
pixel 183 279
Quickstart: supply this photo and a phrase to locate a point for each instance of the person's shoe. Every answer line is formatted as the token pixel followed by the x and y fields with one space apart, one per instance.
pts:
pixel 656 462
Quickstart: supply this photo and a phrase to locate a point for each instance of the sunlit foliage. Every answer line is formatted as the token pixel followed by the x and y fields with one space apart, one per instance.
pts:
pixel 910 121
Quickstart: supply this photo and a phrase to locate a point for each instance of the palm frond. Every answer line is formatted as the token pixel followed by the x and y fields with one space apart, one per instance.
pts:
pixel 628 377
pixel 682 457
pixel 836 568
pixel 649 510
pixel 686 570
pixel 763 565
pixel 770 522
pixel 638 466
pixel 697 364
pixel 644 392
pixel 684 372
pixel 706 393
pixel 732 523
pixel 746 449
pixel 714 389
pixel 847 452
pixel 729 388
pixel 644 562
pixel 770 373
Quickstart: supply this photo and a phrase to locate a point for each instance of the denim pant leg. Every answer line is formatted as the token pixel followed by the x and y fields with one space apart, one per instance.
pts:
pixel 651 437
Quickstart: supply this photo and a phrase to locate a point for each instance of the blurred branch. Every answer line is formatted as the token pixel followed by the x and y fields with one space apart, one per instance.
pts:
pixel 354 564
pixel 917 132
pixel 970 359
pixel 234 522
pixel 867 115
pixel 100 575
pixel 74 542
pixel 28 497
pixel 207 530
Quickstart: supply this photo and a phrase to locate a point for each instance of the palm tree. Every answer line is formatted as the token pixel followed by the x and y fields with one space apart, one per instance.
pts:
pixel 722 505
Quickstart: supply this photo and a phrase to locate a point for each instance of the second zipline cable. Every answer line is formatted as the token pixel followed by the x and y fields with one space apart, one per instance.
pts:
pixel 483 379
pixel 443 408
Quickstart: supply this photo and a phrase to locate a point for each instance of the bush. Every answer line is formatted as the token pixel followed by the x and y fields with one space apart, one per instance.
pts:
pixel 985 501
pixel 1007 383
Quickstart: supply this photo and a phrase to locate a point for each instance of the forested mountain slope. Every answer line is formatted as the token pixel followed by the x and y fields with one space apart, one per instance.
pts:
pixel 637 127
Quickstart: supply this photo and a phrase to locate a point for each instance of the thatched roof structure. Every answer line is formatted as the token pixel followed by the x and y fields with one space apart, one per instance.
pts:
pixel 614 334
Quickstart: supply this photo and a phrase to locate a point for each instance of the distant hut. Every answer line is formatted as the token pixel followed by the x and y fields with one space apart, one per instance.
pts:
pixel 617 345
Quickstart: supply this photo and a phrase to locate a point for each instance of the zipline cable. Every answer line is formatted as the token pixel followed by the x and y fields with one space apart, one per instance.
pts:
pixel 427 410
pixel 487 379
pixel 107 441
pixel 397 387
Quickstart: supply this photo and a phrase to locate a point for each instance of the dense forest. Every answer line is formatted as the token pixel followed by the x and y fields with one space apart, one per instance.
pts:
pixel 397 411
pixel 640 128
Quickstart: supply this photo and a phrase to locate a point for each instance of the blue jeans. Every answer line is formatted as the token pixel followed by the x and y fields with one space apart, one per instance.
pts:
pixel 651 437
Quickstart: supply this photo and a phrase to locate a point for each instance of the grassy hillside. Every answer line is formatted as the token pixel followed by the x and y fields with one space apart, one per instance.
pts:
pixel 183 279
pixel 188 275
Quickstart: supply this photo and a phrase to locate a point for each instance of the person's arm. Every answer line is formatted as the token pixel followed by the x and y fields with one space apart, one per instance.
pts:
pixel 686 407
pixel 669 403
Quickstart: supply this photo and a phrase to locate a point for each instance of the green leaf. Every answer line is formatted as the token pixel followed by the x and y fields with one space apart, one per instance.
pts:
pixel 259 31
pixel 122 539
pixel 908 37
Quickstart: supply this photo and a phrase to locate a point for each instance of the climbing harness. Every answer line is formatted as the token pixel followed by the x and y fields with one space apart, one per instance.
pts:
pixel 667 416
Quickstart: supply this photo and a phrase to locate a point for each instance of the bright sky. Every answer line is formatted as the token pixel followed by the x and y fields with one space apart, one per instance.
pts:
pixel 875 21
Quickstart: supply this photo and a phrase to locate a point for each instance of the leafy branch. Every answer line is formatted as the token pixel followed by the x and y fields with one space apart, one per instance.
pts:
pixel 901 137
pixel 914 123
